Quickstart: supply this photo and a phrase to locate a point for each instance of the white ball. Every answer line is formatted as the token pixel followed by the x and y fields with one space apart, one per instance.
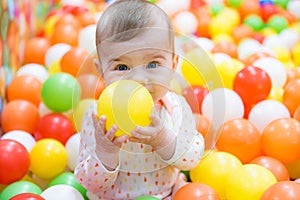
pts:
pixel 247 47
pixel 171 8
pixel 87 38
pixel 293 7
pixel 43 109
pixel 267 111
pixel 72 148
pixel 221 105
pixel 61 192
pixel 185 22
pixel 206 43
pixel 274 68
pixel 23 137
pixel 36 70
pixel 73 2
pixel 273 41
pixel 220 57
pixel 289 37
pixel 56 52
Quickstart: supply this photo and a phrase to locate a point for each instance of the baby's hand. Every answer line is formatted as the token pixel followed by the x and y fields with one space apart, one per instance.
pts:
pixel 156 134
pixel 107 144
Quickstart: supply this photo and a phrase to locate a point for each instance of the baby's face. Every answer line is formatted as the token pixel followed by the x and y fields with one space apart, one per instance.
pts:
pixel 147 59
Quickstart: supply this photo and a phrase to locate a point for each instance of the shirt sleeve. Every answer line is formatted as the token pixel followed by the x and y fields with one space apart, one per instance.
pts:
pixel 89 170
pixel 189 142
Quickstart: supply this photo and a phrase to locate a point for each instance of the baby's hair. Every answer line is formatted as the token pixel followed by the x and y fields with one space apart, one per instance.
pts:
pixel 124 19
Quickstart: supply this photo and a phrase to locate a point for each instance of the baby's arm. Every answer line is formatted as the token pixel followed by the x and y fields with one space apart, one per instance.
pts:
pixel 90 171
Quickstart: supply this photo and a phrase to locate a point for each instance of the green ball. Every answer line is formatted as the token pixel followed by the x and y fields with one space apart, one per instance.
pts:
pixel 278 23
pixel 147 198
pixel 216 8
pixel 235 3
pixel 68 178
pixel 19 187
pixel 255 22
pixel 61 92
pixel 281 3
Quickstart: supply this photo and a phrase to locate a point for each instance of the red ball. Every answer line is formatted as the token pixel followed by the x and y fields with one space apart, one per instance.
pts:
pixel 194 95
pixel 14 161
pixel 27 196
pixel 55 126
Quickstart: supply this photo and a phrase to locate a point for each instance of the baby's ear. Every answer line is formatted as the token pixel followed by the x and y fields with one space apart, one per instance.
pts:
pixel 174 62
pixel 98 66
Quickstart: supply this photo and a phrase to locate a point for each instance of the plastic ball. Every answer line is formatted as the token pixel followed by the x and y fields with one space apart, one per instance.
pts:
pixel 249 182
pixel 203 125
pixel 267 111
pixel 32 69
pixel 86 38
pixel 146 198
pixel 48 158
pixel 72 60
pixel 61 192
pixel 278 23
pixel 194 96
pixel 219 25
pixel 296 114
pixel 281 140
pixel 296 54
pixel 274 68
pixel 72 148
pixel 127 104
pixel 61 92
pixel 290 37
pixel 85 18
pixel 55 52
pixel 250 59
pixel 91 86
pixel 23 137
pixel 25 87
pixel 247 47
pixel 196 191
pixel 220 57
pixel 242 32
pixel 282 54
pixel 67 19
pixel 268 10
pixel 294 169
pixel 35 50
pixel 27 196
pixel 221 105
pixel 225 47
pixel 282 190
pixel 237 136
pixel 249 7
pixel 255 22
pixel 68 178
pixel 229 70
pixel 278 169
pixel 276 93
pixel 55 126
pixel 19 115
pixel 234 3
pixel 79 112
pixel 65 33
pixel 20 187
pixel 294 7
pixel 14 161
pixel 291 96
pixel 185 22
pixel 214 170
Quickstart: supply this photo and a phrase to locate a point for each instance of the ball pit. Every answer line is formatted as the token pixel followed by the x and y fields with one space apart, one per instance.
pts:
pixel 240 75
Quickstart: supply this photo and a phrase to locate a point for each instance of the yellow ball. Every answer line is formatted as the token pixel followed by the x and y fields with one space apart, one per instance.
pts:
pixel 48 158
pixel 127 104
pixel 228 70
pixel 249 182
pixel 282 54
pixel 214 170
pixel 296 54
pixel 79 112
pixel 54 67
pixel 276 93
pixel 50 25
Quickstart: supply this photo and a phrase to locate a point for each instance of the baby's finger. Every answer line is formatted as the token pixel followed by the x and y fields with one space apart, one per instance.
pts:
pixel 118 141
pixel 111 132
pixel 97 124
pixel 142 132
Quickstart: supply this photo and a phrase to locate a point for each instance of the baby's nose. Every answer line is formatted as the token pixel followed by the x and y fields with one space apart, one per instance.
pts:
pixel 139 75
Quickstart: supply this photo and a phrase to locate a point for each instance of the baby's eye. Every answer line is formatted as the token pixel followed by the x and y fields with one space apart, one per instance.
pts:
pixel 122 67
pixel 152 64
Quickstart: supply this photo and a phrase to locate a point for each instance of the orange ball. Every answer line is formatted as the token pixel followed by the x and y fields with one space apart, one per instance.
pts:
pixel 85 18
pixel 25 87
pixel 68 19
pixel 19 115
pixel 297 113
pixel 91 86
pixel 250 7
pixel 241 32
pixel 278 169
pixel 281 140
pixel 65 33
pixel 197 191
pixel 204 17
pixel 240 138
pixel 226 47
pixel 282 191
pixel 35 50
pixel 249 60
pixel 291 95
pixel 292 74
pixel 203 124
pixel 73 59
